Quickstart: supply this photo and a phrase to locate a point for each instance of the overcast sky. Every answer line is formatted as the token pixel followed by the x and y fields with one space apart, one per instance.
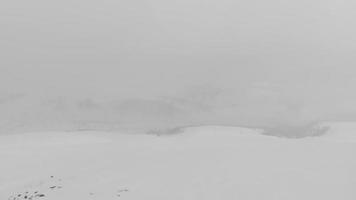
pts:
pixel 289 52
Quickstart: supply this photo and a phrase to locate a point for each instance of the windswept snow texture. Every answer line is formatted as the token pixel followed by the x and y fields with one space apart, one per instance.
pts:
pixel 201 163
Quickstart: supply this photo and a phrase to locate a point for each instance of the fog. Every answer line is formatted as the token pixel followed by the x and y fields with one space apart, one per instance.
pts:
pixel 155 63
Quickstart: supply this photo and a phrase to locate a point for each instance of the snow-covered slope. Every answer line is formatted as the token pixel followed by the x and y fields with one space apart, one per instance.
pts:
pixel 201 163
pixel 343 131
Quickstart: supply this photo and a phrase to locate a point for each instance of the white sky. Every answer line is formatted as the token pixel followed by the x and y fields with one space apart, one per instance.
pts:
pixel 295 51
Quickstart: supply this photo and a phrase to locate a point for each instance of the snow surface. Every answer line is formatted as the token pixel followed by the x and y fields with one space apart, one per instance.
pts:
pixel 340 131
pixel 202 163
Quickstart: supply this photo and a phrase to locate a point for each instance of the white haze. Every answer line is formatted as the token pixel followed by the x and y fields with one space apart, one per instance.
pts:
pixel 170 62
